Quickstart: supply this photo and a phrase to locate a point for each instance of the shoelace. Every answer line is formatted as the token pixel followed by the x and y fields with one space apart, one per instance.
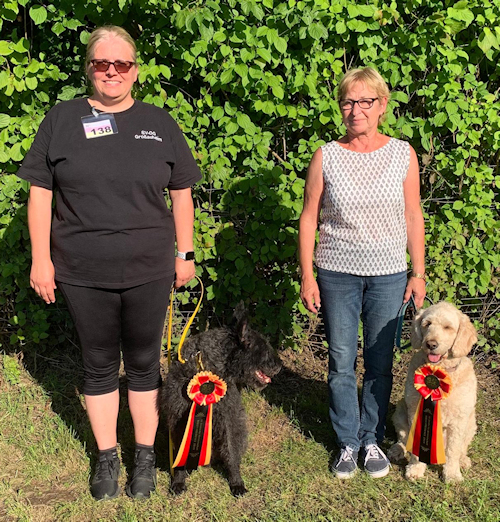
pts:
pixel 374 452
pixel 144 466
pixel 106 468
pixel 346 454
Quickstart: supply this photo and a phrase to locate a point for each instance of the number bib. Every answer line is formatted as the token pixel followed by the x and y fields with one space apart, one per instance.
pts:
pixel 99 125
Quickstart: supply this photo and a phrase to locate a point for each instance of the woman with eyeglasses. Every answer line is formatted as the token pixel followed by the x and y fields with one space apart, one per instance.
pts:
pixel 108 245
pixel 364 191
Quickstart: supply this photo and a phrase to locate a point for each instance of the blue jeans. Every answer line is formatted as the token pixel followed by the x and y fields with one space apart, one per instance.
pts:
pixel 378 299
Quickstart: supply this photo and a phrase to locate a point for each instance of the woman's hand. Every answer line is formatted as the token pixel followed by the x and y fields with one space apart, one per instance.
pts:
pixel 308 223
pixel 42 280
pixel 309 293
pixel 415 286
pixel 184 272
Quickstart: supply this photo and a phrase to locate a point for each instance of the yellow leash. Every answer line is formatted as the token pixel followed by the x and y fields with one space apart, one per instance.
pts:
pixel 179 353
pixel 186 328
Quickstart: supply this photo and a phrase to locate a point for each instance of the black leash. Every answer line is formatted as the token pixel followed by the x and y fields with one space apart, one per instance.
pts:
pixel 401 318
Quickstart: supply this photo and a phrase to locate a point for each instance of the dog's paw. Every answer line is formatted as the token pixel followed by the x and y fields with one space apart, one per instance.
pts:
pixel 396 453
pixel 238 490
pixel 465 462
pixel 452 475
pixel 178 488
pixel 415 471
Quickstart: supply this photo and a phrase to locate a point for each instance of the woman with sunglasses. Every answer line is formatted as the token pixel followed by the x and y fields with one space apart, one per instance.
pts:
pixel 109 244
pixel 364 191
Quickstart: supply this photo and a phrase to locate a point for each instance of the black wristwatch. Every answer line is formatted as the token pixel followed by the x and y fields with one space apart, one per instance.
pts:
pixel 186 256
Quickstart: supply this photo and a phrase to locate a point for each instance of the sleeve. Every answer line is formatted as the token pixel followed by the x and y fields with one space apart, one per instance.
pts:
pixel 406 151
pixel 36 167
pixel 185 171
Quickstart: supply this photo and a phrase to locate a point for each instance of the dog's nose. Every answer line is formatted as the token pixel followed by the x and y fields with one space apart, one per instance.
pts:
pixel 432 345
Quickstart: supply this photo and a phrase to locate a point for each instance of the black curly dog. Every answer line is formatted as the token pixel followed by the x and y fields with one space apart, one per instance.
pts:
pixel 242 357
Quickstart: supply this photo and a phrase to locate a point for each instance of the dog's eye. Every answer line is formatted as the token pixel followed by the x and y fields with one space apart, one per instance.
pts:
pixel 425 324
pixel 448 327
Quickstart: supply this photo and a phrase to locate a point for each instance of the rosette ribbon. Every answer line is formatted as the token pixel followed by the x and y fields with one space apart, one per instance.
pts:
pixel 205 389
pixel 425 439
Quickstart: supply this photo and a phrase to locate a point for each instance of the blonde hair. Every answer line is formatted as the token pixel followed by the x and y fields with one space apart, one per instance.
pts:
pixel 105 33
pixel 367 75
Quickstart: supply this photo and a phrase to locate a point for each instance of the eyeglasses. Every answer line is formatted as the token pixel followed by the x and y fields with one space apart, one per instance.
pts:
pixel 364 103
pixel 121 66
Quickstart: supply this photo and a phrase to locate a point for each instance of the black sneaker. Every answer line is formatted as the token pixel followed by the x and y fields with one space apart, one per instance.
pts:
pixel 346 464
pixel 144 476
pixel 104 485
pixel 377 465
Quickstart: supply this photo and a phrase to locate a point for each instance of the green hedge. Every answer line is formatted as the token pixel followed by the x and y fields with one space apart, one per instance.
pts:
pixel 252 83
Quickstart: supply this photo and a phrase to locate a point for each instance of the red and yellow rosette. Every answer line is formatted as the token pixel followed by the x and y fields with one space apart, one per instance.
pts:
pixel 204 389
pixel 425 439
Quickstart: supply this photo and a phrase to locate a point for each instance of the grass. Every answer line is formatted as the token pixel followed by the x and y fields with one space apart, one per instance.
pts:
pixel 47 451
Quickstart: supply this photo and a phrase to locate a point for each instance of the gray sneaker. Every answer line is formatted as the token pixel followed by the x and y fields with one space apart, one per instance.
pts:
pixel 346 464
pixel 376 463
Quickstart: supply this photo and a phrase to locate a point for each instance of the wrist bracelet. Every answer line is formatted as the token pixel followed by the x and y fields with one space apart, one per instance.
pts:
pixel 418 275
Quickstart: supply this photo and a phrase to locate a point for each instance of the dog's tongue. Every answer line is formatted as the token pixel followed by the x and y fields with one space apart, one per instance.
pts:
pixel 434 358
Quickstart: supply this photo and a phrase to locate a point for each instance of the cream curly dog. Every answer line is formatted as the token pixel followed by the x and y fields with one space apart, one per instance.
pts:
pixel 444 337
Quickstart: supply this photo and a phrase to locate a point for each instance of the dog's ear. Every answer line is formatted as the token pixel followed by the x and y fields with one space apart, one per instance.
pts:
pixel 465 339
pixel 416 333
pixel 241 316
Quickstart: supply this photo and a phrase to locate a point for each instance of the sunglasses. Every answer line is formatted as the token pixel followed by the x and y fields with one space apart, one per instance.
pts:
pixel 121 66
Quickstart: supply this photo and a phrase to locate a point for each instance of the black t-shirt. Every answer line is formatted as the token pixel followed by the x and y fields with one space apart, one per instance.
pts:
pixel 111 227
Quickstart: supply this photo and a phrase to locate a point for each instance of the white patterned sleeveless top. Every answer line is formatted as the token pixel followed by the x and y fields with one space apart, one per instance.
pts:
pixel 362 227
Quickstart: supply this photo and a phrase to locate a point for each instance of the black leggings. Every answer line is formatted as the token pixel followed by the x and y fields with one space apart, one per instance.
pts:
pixel 130 318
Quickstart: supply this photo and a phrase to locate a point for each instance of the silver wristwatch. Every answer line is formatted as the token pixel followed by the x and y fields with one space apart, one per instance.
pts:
pixel 186 256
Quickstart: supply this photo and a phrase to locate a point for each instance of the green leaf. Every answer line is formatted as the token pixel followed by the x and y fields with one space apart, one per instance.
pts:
pixel 15 152
pixel 4 120
pixel 246 55
pixel 72 24
pixel 280 44
pixel 225 50
pixel 357 25
pixel 340 27
pixel 462 14
pixel 165 71
pixel 38 14
pixel 4 157
pixel 5 48
pixel 84 37
pixel 226 76
pixel 22 46
pixel 440 119
pixel 241 69
pixel 245 123
pixel 278 91
pixel 31 82
pixel 68 92
pixel 487 40
pixel 58 28
pixel 399 96
pixel 451 108
pixel 232 127
pixel 217 113
pixel 265 54
pixel 317 31
pixel 246 6
pixel 407 130
pixel 268 107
